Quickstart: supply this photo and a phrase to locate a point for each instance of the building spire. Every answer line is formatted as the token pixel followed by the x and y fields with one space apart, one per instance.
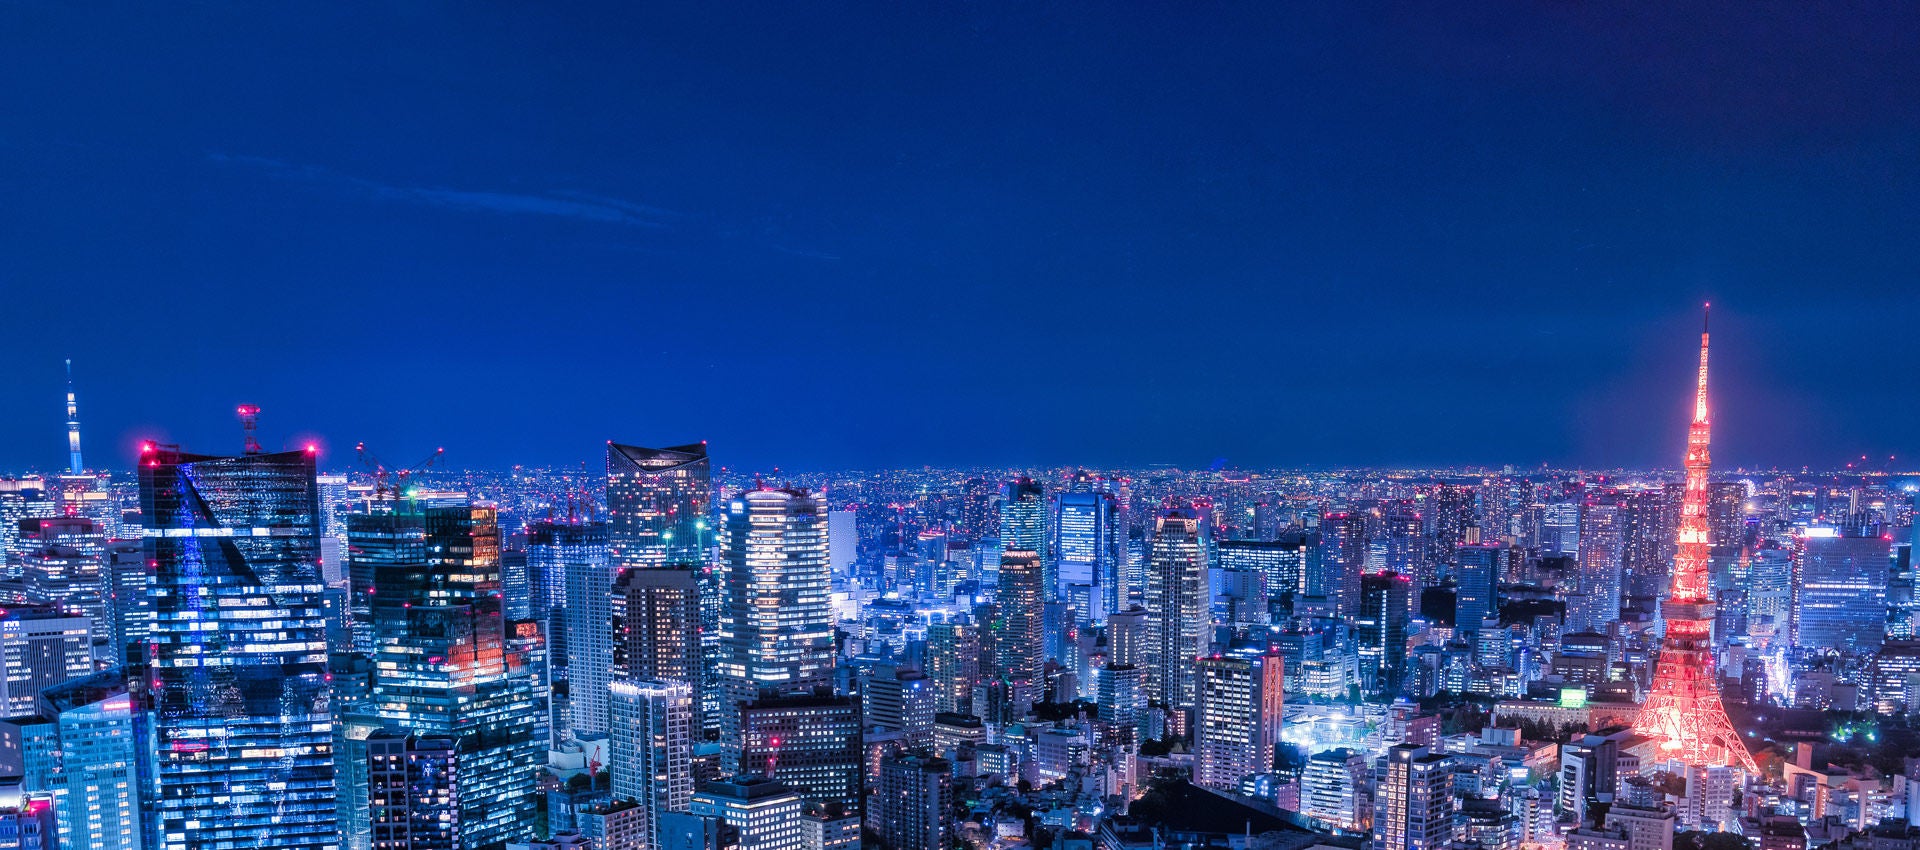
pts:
pixel 73 426
pixel 1700 394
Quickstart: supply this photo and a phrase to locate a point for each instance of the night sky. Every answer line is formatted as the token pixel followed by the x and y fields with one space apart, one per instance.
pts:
pixel 953 234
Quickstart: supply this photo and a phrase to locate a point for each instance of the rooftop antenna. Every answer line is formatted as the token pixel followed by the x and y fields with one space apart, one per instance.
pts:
pixel 249 424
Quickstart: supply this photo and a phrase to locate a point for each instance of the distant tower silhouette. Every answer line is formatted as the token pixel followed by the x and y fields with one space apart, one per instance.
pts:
pixel 1683 716
pixel 73 426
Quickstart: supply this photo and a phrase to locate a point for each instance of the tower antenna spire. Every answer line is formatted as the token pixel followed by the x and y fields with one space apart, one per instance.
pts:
pixel 74 464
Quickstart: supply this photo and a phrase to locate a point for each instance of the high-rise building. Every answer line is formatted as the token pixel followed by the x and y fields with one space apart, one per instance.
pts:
pixel 1280 563
pixel 129 612
pixel 1596 601
pixel 41 647
pixel 657 503
pixel 442 668
pixel 241 748
pixel 83 752
pixel 1407 544
pixel 1088 547
pixel 1176 604
pixel 1840 589
pixel 764 814
pixel 62 564
pixel 1331 788
pixel 953 664
pixel 650 749
pixel 1018 640
pixel 810 742
pixel 776 624
pixel 1343 558
pixel 1237 717
pixel 1380 631
pixel 913 804
pixel 578 551
pixel 1477 570
pixel 377 542
pixel 413 797
pixel 1023 516
pixel 901 700
pixel 1413 807
pixel 656 628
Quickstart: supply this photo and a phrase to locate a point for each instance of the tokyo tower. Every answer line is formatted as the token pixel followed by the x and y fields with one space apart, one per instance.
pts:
pixel 1683 718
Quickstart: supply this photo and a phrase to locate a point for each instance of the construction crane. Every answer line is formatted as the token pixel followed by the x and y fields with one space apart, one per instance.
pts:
pixel 249 425
pixel 391 483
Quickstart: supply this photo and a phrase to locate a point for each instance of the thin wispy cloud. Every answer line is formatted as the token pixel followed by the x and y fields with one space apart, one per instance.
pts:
pixel 575 205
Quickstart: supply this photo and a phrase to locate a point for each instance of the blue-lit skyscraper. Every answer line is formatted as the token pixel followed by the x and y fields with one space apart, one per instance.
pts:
pixel 1023 527
pixel 1478 571
pixel 1840 589
pixel 577 551
pixel 443 668
pixel 236 669
pixel 1088 548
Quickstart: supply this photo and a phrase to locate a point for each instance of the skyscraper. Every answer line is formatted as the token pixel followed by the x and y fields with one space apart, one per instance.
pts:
pixel 1414 805
pixel 656 616
pixel 657 503
pixel 442 668
pixel 1380 630
pixel 913 805
pixel 1237 717
pixel 413 798
pixel 1602 547
pixel 764 814
pixel 953 664
pixel 242 752
pixel 650 751
pixel 1343 557
pixel 1840 589
pixel 1018 640
pixel 1088 548
pixel 1477 571
pixel 776 623
pixel 1023 526
pixel 1176 604
pixel 578 550
pixel 41 647
pixel 1682 717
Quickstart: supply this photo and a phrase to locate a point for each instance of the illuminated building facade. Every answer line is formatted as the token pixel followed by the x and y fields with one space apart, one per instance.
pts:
pixel 1413 807
pixel 1380 630
pixel 241 750
pixel 1343 558
pixel 1088 548
pixel 443 669
pixel 1018 638
pixel 657 504
pixel 764 814
pixel 776 620
pixel 413 792
pixel 1176 604
pixel 650 749
pixel 1237 717
pixel 1840 589
pixel 577 550
pixel 656 628
pixel 913 803
pixel 41 647
pixel 810 742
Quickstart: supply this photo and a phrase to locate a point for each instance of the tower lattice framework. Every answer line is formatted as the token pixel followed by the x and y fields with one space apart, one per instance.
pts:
pixel 1683 716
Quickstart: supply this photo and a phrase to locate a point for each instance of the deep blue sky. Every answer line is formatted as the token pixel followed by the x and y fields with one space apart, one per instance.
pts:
pixel 889 234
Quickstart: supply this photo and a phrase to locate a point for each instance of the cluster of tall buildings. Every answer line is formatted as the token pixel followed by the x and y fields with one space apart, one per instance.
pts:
pixel 242 650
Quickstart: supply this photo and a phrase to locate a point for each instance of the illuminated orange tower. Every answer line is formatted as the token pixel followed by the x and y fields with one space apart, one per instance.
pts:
pixel 1683 716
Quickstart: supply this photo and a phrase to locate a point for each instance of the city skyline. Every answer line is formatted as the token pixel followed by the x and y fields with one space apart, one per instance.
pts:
pixel 1301 236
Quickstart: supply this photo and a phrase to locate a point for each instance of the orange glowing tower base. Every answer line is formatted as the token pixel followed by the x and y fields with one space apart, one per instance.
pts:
pixel 1683 717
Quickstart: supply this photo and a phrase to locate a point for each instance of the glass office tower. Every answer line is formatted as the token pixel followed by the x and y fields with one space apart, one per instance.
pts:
pixel 235 672
pixel 442 668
